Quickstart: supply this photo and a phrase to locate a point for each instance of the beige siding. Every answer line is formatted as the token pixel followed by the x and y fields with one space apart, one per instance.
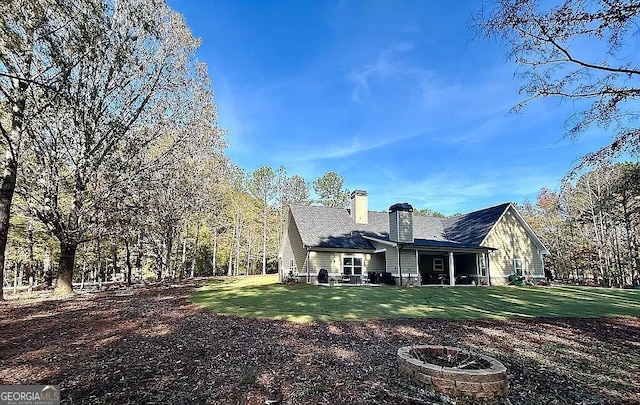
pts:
pixel 293 253
pixel 332 261
pixel 513 242
pixel 377 263
pixel 325 260
pixel 360 208
pixel 392 260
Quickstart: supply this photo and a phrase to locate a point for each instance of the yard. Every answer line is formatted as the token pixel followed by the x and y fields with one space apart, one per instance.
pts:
pixel 155 345
pixel 262 297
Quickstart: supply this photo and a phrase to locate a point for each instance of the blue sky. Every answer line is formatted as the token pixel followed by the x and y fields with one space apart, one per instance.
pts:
pixel 395 96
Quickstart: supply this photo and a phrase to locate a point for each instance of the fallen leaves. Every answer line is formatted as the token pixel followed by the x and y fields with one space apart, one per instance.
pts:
pixel 152 346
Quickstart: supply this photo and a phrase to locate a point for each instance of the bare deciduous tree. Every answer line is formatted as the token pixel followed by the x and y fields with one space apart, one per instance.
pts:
pixel 262 185
pixel 36 40
pixel 582 50
pixel 139 78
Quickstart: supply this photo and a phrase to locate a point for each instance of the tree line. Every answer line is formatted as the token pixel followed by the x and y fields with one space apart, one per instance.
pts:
pixel 104 112
pixel 592 226
pixel 114 164
pixel 200 217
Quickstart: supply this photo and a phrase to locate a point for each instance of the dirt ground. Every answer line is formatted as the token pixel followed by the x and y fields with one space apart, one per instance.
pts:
pixel 150 345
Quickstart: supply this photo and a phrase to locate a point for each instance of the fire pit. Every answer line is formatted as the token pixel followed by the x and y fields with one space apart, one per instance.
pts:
pixel 453 371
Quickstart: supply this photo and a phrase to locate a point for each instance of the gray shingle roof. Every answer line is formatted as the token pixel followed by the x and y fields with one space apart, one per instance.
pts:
pixel 334 228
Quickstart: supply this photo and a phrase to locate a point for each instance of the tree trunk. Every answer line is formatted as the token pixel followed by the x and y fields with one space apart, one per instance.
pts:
pixel 159 266
pixel 15 278
pixel 101 272
pixel 238 256
pixel 127 251
pixel 616 256
pixel 183 263
pixel 84 269
pixel 248 258
pixel 195 248
pixel 215 248
pixel 48 276
pixel 64 285
pixel 139 257
pixel 629 236
pixel 231 247
pixel 264 239
pixel 6 195
pixel 9 175
pixel 169 246
pixel 115 270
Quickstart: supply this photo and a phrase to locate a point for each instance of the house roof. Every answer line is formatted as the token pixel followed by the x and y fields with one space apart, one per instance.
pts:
pixel 325 227
pixel 472 228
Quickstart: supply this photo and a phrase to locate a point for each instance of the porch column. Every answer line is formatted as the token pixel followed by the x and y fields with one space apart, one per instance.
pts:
pixel 486 265
pixel 452 271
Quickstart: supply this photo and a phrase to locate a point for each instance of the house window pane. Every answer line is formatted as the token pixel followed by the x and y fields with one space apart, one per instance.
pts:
pixel 482 265
pixel 517 267
pixel 352 266
pixel 438 264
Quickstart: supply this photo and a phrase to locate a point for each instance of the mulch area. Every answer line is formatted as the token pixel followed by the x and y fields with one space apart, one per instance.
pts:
pixel 150 345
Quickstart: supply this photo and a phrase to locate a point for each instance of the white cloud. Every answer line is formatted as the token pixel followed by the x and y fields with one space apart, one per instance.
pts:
pixel 351 146
pixel 385 64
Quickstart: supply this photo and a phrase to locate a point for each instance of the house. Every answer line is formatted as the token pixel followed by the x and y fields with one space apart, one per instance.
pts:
pixel 357 245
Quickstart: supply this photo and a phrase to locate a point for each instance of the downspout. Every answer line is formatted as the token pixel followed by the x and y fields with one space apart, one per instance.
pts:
pixel 399 249
pixel 419 275
pixel 308 265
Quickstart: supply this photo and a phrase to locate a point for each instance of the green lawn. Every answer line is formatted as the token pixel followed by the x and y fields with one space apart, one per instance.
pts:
pixel 262 297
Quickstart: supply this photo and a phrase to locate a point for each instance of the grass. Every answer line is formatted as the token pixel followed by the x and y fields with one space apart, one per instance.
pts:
pixel 262 297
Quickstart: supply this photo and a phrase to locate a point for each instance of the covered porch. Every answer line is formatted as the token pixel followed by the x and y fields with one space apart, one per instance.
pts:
pixel 453 266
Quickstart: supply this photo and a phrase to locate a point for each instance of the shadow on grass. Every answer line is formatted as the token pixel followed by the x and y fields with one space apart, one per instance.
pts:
pixel 309 303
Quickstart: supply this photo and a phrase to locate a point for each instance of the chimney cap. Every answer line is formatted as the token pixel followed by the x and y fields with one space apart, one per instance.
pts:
pixel 401 207
pixel 358 192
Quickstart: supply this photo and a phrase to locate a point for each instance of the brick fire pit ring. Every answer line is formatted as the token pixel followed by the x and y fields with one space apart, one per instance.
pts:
pixel 488 379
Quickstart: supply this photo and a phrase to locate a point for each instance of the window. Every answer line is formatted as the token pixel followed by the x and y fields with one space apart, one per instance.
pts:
pixel 517 267
pixel 438 264
pixel 482 265
pixel 351 265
